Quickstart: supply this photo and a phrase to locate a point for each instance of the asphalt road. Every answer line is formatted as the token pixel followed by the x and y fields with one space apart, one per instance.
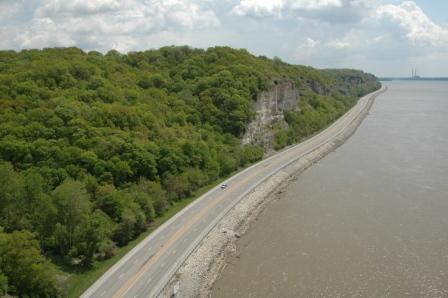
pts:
pixel 146 269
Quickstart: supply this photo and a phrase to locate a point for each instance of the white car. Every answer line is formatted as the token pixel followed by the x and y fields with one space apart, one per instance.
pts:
pixel 224 186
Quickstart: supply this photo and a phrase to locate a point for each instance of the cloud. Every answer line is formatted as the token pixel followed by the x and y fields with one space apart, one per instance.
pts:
pixel 259 8
pixel 8 8
pixel 78 7
pixel 382 36
pixel 41 33
pixel 418 27
pixel 307 48
pixel 103 24
pixel 128 16
pixel 280 8
pixel 311 43
pixel 329 11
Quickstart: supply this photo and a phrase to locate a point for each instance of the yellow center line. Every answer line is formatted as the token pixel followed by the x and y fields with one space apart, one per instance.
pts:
pixel 164 247
pixel 179 233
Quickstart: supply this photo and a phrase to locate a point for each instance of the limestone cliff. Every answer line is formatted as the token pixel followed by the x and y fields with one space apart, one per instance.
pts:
pixel 318 100
pixel 269 107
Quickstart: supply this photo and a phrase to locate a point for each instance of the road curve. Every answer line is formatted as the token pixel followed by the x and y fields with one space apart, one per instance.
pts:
pixel 147 268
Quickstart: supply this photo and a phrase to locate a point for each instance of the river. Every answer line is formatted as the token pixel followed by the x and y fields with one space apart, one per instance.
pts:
pixel 368 220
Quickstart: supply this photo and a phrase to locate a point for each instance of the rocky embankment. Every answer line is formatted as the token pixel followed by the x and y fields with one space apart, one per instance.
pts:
pixel 196 276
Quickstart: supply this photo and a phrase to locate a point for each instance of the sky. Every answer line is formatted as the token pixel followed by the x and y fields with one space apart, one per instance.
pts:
pixel 384 37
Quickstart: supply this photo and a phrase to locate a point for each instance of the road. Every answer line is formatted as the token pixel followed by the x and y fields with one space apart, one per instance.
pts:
pixel 146 269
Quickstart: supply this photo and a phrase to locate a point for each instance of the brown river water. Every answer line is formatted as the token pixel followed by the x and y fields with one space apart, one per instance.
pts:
pixel 368 220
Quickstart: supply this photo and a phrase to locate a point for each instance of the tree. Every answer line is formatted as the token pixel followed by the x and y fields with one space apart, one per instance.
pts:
pixel 72 203
pixel 39 208
pixel 94 147
pixel 156 193
pixel 126 229
pixel 122 172
pixel 3 284
pixel 227 163
pixel 28 273
pixel 112 203
pixel 146 204
pixel 11 197
pixel 94 231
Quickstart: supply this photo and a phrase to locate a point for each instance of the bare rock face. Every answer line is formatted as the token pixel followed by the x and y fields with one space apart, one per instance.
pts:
pixel 317 87
pixel 269 107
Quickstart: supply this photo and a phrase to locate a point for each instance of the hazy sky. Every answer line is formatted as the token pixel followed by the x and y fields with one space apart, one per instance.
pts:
pixel 387 38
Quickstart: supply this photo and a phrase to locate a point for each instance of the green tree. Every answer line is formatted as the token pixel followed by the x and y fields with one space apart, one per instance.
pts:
pixel 156 194
pixel 132 222
pixel 122 172
pixel 11 197
pixel 3 284
pixel 28 273
pixel 112 203
pixel 72 203
pixel 92 234
pixel 95 147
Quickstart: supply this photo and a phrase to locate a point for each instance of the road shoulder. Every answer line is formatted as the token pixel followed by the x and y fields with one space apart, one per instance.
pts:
pixel 195 278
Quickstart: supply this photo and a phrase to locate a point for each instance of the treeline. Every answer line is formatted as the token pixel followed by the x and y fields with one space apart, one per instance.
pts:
pixel 323 99
pixel 94 147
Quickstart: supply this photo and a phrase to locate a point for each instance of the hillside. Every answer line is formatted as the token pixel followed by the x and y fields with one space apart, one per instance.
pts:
pixel 94 148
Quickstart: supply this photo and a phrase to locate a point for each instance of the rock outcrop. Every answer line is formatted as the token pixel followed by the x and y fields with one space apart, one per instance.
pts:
pixel 269 107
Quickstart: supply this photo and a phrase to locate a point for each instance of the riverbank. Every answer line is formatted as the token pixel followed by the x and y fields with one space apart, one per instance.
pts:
pixel 368 220
pixel 198 273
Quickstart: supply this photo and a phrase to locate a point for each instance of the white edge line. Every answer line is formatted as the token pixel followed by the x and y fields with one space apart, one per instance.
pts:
pixel 156 291
pixel 98 283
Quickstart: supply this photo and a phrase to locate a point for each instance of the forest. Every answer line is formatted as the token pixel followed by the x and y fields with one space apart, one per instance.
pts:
pixel 95 147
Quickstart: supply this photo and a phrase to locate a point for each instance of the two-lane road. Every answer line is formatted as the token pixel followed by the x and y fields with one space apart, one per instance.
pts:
pixel 146 269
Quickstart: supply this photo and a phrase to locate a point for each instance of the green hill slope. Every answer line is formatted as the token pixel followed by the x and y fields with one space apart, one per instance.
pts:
pixel 94 148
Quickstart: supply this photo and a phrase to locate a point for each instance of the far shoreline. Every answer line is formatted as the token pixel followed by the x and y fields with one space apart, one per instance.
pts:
pixel 437 79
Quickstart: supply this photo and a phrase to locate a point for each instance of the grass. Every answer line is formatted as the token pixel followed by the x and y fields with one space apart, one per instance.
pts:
pixel 79 281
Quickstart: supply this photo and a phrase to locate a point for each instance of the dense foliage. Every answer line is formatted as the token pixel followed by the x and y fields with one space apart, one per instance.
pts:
pixel 322 100
pixel 94 147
